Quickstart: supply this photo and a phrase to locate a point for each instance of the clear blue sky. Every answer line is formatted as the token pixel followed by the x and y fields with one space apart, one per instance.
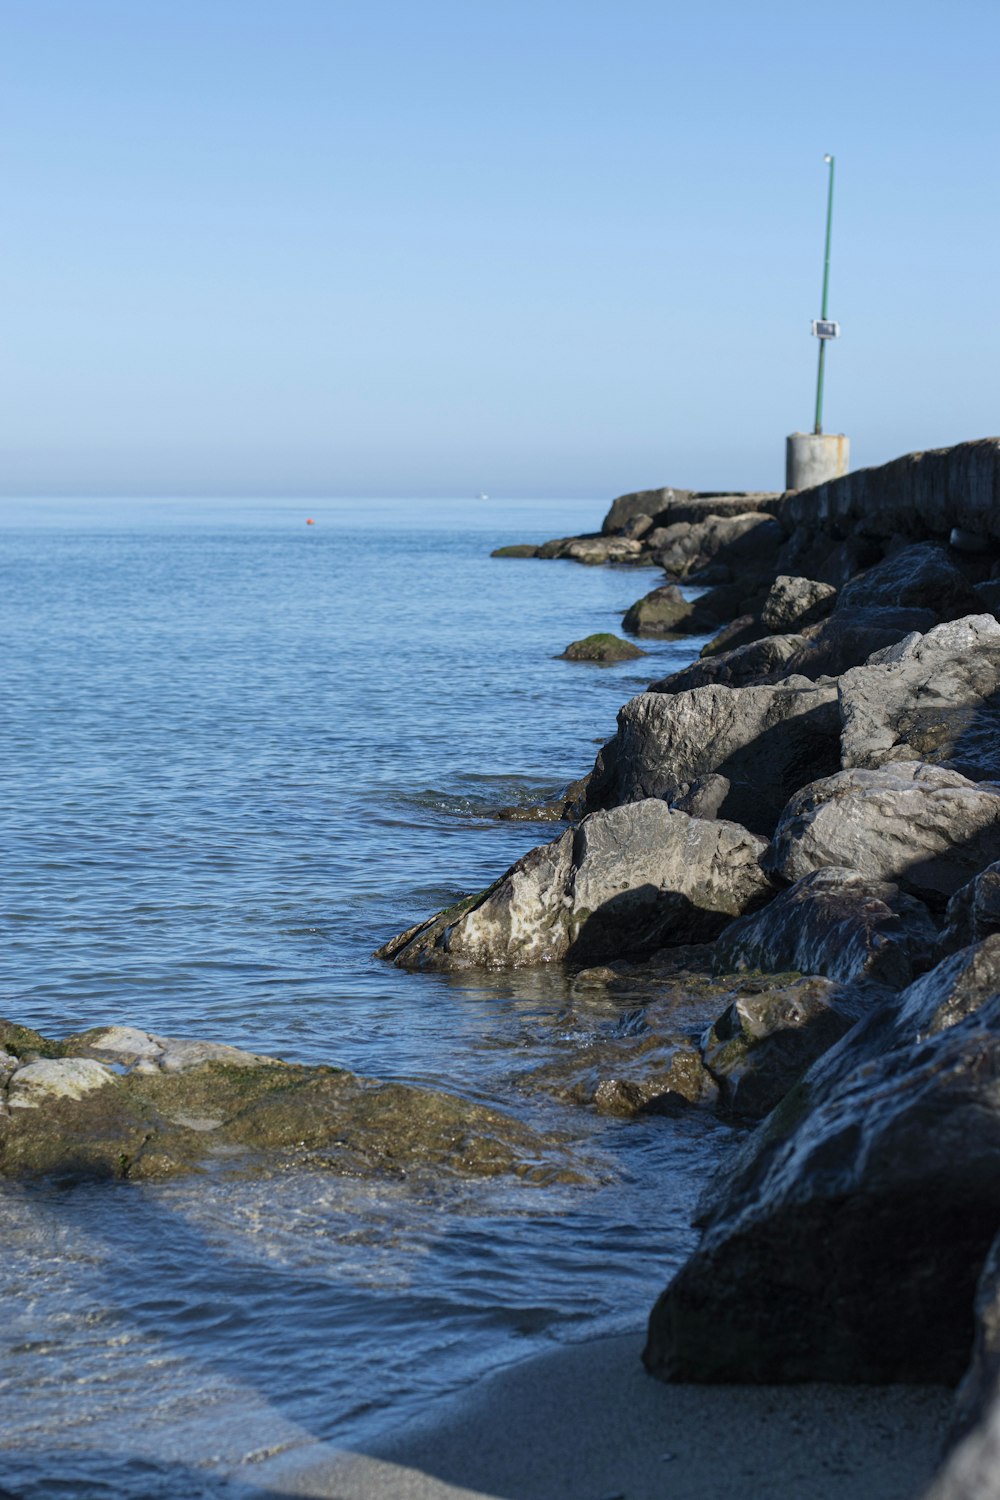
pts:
pixel 533 247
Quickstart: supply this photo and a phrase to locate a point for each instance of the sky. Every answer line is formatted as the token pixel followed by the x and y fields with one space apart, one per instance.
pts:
pixel 521 247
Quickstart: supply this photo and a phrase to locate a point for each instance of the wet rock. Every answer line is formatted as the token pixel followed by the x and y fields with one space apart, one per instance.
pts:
pixel 766 1039
pixel 765 740
pixel 602 647
pixel 518 549
pixel 925 828
pixel 850 1250
pixel 973 913
pixel 932 698
pixel 626 881
pixel 848 640
pixel 666 612
pixel 755 663
pixel 978 1396
pixel 792 603
pixel 740 543
pixel 836 922
pixel 118 1102
pixel 920 576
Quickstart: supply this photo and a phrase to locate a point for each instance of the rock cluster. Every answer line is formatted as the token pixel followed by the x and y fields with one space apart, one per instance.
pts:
pixel 818 798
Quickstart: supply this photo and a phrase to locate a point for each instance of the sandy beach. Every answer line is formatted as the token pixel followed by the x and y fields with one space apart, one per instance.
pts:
pixel 586 1423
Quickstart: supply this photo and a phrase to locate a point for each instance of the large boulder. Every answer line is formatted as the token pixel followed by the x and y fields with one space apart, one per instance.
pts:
pixel 973 913
pixel 765 740
pixel 851 1247
pixel 639 503
pixel 120 1102
pixel 847 640
pixel 835 922
pixel 925 828
pixel 740 543
pixel 920 576
pixel 625 882
pixel 663 611
pixel 932 698
pixel 792 603
pixel 760 661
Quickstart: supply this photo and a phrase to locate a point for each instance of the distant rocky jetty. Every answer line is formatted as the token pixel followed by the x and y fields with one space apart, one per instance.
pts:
pixel 817 799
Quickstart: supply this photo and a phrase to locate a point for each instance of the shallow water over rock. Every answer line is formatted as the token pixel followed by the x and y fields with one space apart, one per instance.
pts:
pixel 240 755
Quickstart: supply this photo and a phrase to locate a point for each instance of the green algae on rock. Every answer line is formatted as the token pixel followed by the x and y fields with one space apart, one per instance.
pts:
pixel 118 1102
pixel 602 647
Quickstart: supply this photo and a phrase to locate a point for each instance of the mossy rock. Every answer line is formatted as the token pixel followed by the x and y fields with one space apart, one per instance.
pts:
pixel 603 647
pixel 76 1109
pixel 518 549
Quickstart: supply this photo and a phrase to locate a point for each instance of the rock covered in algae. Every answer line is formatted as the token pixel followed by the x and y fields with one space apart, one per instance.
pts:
pixel 124 1103
pixel 603 647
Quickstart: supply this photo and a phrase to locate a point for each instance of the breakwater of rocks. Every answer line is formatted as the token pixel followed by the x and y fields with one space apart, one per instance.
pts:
pixel 816 802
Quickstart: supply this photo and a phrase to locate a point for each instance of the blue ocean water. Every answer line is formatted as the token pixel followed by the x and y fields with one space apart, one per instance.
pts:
pixel 241 752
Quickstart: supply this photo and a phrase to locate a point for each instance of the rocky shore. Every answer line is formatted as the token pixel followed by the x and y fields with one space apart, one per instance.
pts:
pixel 781 877
pixel 815 805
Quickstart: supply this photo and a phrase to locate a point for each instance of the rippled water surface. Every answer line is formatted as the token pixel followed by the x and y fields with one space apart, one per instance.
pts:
pixel 240 752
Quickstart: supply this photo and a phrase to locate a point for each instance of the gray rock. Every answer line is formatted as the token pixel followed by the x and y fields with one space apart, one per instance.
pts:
pixel 764 740
pixel 852 1253
pixel 926 828
pixel 666 611
pixel 596 550
pixel 638 503
pixel 736 542
pixel 792 603
pixel 625 882
pixel 848 640
pixel 838 923
pixel 765 1040
pixel 973 912
pixel 756 662
pixel 920 576
pixel 702 798
pixel 932 698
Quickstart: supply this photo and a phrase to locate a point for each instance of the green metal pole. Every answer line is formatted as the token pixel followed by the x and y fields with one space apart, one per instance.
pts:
pixel 826 288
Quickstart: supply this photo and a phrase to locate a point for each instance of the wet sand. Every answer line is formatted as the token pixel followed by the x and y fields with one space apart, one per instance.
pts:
pixel 585 1422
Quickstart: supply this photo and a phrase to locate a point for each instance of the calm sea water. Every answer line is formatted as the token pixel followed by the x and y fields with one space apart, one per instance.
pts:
pixel 240 752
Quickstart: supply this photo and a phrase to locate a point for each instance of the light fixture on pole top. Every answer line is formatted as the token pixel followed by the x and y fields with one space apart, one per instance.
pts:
pixel 812 458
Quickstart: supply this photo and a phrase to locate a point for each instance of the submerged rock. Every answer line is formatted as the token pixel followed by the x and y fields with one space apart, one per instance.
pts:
pixel 602 647
pixel 118 1102
pixel 625 882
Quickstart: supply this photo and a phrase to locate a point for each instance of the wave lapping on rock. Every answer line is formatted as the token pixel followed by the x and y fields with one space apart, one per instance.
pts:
pixel 818 797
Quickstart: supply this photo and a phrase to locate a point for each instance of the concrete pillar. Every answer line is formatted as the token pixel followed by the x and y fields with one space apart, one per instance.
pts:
pixel 814 457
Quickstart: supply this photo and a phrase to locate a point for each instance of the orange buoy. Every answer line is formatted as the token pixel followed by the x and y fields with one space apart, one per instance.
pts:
pixel 310 521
